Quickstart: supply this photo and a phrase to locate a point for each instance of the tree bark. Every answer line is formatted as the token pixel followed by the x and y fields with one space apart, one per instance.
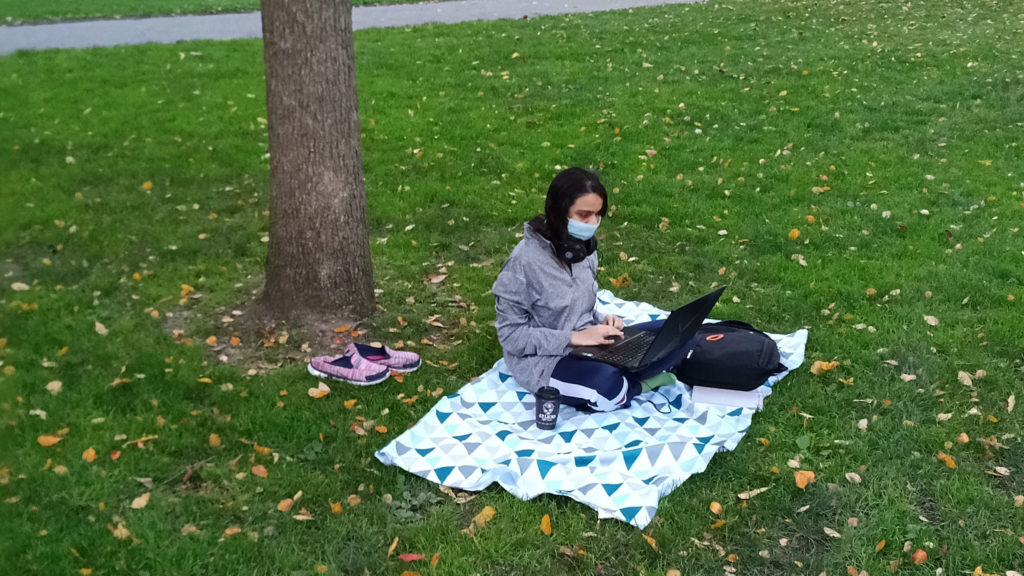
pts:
pixel 318 257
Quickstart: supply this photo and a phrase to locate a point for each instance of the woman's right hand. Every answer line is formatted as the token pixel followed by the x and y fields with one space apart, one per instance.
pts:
pixel 595 336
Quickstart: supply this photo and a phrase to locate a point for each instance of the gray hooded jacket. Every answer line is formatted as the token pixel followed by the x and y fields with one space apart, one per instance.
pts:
pixel 540 301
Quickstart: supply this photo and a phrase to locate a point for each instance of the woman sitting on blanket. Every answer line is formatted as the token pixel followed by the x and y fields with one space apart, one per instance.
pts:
pixel 545 296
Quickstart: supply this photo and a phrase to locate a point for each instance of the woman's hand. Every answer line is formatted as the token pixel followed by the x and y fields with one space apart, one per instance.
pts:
pixel 596 335
pixel 613 321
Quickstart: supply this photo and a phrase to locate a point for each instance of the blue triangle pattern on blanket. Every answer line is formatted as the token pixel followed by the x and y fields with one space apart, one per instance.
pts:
pixel 735 412
pixel 611 427
pixel 610 489
pixel 630 512
pixel 525 453
pixel 424 451
pixel 502 434
pixel 443 472
pixel 544 466
pixel 442 416
pixel 654 316
pixel 522 395
pixel 581 461
pixel 567 435
pixel 630 456
pixel 503 377
pixel 485 406
pixel 462 437
pixel 641 421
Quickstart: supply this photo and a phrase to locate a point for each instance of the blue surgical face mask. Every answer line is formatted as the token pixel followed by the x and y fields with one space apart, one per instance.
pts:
pixel 582 230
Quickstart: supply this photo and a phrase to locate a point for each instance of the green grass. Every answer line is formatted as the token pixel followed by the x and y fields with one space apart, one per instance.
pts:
pixel 28 11
pixel 904 107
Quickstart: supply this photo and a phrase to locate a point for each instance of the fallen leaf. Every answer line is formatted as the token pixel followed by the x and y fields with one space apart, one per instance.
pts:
pixel 717 524
pixel 818 366
pixel 353 500
pixel 147 185
pixel 434 559
pixel 947 459
pixel 89 455
pixel 794 234
pixel 716 508
pixel 260 470
pixel 121 533
pixel 140 502
pixel 48 440
pixel 335 507
pixel 1018 501
pixel 189 529
pixel 101 329
pixel 963 438
pixel 545 525
pixel 965 378
pixel 673 572
pixel 231 530
pixel 211 341
pixel 303 515
pixel 320 391
pixel 931 320
pixel 853 477
pixel 321 569
pixel 803 477
pixel 480 520
pixel 622 281
pixel 1010 403
pixel 214 440
pixel 908 377
pixel 410 557
pixel 394 544
pixel 751 493
pixel 651 541
pixel 832 533
pixel 350 403
pixel 880 545
pixel 919 556
pixel 285 505
pixel 435 278
pixel 54 387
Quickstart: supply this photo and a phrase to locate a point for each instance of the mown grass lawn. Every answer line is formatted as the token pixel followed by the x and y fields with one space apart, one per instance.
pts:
pixel 887 134
pixel 29 11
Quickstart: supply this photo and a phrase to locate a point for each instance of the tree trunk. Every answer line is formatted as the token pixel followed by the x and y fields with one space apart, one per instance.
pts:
pixel 318 258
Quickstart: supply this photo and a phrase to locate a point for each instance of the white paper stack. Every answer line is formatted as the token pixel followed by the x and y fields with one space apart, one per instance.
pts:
pixel 722 397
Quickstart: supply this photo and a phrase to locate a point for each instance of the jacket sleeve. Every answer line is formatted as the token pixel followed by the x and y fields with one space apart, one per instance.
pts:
pixel 598 316
pixel 516 332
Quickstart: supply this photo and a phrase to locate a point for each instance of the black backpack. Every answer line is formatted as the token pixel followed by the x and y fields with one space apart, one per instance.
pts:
pixel 730 354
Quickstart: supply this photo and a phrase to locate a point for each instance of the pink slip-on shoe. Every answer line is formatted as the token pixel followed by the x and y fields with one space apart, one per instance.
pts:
pixel 395 360
pixel 351 368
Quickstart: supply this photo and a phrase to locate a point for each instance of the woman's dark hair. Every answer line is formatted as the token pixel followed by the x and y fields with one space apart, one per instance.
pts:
pixel 568 186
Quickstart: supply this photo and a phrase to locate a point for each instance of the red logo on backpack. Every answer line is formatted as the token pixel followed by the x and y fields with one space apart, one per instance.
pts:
pixel 715 337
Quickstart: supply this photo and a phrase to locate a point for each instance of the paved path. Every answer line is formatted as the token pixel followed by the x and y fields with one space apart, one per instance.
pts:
pixel 167 30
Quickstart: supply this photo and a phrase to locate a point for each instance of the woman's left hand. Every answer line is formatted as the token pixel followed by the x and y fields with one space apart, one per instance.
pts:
pixel 613 321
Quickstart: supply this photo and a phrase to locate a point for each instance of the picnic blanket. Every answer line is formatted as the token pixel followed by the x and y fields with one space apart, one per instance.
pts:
pixel 618 463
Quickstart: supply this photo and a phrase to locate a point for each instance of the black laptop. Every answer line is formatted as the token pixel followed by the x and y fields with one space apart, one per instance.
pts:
pixel 640 348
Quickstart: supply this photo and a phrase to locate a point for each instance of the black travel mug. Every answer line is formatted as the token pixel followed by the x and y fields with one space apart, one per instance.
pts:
pixel 548 401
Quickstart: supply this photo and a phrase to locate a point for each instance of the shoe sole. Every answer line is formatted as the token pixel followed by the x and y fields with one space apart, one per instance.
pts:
pixel 407 370
pixel 320 374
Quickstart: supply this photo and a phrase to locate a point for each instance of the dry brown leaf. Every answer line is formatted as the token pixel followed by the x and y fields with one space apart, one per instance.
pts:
pixel 214 440
pixel 853 477
pixel 716 508
pixel 818 366
pixel 545 525
pixel 480 520
pixel 394 544
pixel 964 378
pixel 651 541
pixel 832 533
pixel 48 440
pixel 140 502
pixel 880 545
pixel 353 500
pixel 335 507
pixel 947 459
pixel 259 470
pixel 794 234
pixel 919 556
pixel 320 391
pixel 121 533
pixel 435 278
pixel 803 478
pixel 231 531
pixel 189 529
pixel 434 559
pixel 101 329
pixel 350 403
pixel 285 505
pixel 931 320
pixel 751 493
pixel 89 455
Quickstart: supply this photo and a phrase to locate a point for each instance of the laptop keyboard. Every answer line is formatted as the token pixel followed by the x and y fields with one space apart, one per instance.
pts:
pixel 629 352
